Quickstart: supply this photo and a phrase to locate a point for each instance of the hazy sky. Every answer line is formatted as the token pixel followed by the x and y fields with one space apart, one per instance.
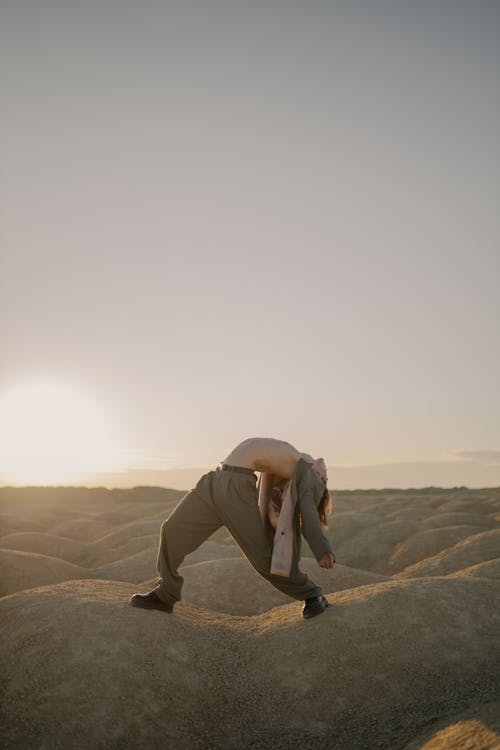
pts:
pixel 230 219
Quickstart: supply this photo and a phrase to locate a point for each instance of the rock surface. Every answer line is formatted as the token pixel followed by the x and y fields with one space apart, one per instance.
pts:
pixel 407 656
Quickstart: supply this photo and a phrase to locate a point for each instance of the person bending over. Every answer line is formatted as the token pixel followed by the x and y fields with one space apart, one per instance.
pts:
pixel 228 496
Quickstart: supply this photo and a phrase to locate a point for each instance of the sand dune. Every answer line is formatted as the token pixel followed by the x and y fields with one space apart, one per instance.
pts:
pixel 44 544
pixel 21 569
pixel 407 650
pixel 427 543
pixel 142 565
pixel 134 568
pixel 87 554
pixel 390 658
pixel 94 555
pixel 466 504
pixel 372 547
pixel 82 529
pixel 490 569
pixel 477 728
pixel 122 535
pixel 10 524
pixel 211 550
pixel 194 679
pixel 232 586
pixel 103 551
pixel 347 524
pixel 441 520
pixel 26 570
pixel 475 549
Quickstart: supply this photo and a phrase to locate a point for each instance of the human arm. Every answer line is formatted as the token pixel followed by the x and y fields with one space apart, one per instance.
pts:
pixel 312 529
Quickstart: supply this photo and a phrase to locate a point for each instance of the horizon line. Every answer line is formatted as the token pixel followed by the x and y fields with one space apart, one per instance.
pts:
pixel 175 489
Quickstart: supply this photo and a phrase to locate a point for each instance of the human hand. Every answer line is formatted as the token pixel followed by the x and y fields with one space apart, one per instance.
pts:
pixel 327 561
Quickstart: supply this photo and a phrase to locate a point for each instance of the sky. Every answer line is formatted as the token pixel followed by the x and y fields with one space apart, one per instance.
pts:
pixel 231 219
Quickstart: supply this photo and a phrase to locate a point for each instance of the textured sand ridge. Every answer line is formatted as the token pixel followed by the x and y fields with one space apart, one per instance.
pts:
pixel 231 585
pixel 408 656
pixel 478 728
pixel 25 570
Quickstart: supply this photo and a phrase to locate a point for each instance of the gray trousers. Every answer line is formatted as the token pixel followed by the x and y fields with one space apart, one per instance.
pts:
pixel 222 498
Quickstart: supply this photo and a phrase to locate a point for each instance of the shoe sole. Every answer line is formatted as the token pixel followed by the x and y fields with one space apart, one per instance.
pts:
pixel 315 614
pixel 146 605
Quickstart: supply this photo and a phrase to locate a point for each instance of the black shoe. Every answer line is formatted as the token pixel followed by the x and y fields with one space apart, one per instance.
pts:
pixel 150 601
pixel 313 606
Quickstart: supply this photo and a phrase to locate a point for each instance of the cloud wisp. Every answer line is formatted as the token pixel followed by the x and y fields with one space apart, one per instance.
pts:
pixel 489 456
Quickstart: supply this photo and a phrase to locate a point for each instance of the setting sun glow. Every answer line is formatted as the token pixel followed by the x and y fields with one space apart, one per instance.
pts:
pixel 53 434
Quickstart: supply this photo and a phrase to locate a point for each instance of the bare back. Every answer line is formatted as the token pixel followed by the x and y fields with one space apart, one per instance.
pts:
pixel 267 455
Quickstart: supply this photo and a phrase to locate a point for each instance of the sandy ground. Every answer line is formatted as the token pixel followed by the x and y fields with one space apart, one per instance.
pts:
pixel 408 656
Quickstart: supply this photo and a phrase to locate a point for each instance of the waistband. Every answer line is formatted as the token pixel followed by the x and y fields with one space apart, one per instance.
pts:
pixel 243 469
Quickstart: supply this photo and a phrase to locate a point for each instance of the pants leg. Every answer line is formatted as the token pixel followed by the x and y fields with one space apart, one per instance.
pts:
pixel 237 507
pixel 191 522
